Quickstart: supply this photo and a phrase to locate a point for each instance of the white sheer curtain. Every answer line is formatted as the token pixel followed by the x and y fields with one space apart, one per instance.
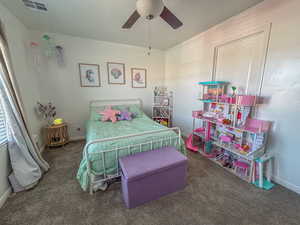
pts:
pixel 26 160
pixel 3 133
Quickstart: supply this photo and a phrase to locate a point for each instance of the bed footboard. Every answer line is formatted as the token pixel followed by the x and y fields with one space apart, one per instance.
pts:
pixel 103 177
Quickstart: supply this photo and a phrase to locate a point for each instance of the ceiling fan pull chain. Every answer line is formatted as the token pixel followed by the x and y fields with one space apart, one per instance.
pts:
pixel 149 38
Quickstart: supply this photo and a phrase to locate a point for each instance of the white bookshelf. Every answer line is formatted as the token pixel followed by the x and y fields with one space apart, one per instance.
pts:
pixel 162 107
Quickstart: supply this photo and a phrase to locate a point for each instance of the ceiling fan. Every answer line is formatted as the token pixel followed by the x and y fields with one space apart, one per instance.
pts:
pixel 149 9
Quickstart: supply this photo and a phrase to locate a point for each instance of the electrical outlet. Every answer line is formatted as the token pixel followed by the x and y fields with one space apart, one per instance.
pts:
pixel 76 130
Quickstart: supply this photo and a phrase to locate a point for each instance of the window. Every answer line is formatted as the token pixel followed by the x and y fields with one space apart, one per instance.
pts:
pixel 3 133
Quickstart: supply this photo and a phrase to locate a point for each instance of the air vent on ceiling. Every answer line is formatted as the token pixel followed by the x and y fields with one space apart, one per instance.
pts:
pixel 35 5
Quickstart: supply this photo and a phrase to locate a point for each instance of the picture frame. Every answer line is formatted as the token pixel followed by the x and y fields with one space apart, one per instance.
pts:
pixel 138 77
pixel 116 73
pixel 89 75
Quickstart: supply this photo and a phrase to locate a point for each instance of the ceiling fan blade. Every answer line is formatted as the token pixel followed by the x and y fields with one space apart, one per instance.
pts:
pixel 132 19
pixel 170 18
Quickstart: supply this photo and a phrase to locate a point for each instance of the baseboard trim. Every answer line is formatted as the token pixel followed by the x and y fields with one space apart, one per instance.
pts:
pixel 287 184
pixel 4 197
pixel 77 138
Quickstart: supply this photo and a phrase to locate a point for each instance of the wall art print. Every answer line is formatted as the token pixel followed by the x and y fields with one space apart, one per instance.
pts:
pixel 89 75
pixel 116 73
pixel 139 77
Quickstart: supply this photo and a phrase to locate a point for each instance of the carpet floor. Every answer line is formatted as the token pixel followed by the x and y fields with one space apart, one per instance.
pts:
pixel 212 196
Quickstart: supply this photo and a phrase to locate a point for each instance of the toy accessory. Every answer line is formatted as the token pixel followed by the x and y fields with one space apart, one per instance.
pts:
pixel 264 182
pixel 125 115
pixel 241 168
pixel 109 114
pixel 58 121
pixel 189 144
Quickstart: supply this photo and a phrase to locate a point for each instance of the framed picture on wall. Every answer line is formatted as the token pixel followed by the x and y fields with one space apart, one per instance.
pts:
pixel 89 75
pixel 116 73
pixel 139 77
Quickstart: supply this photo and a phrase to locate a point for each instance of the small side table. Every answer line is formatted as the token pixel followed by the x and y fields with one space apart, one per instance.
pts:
pixel 57 135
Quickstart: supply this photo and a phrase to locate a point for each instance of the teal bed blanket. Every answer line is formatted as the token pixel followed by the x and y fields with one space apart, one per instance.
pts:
pixel 99 130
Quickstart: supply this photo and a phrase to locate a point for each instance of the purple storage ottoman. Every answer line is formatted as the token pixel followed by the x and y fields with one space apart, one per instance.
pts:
pixel 149 175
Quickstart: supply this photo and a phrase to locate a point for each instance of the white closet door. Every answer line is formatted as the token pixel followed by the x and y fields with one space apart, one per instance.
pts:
pixel 240 62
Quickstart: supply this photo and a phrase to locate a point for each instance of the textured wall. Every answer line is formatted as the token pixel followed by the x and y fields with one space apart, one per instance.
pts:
pixel 192 61
pixel 61 84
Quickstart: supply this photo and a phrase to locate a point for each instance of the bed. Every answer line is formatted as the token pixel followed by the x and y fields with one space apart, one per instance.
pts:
pixel 106 142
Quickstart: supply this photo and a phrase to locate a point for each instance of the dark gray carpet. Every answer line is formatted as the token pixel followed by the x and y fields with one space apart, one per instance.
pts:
pixel 213 196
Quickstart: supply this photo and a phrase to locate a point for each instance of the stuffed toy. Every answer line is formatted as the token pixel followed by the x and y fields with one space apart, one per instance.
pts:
pixel 109 114
pixel 125 115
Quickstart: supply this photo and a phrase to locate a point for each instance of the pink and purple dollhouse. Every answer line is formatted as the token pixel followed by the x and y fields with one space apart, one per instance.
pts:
pixel 225 132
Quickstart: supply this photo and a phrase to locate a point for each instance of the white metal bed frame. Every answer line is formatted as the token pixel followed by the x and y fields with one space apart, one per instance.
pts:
pixel 112 102
pixel 101 179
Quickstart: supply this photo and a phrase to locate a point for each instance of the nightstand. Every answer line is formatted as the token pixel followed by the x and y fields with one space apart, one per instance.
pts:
pixel 56 135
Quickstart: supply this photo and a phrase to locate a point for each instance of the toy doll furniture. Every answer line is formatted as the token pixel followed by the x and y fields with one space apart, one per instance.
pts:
pixel 263 182
pixel 149 175
pixel 213 90
pixel 229 136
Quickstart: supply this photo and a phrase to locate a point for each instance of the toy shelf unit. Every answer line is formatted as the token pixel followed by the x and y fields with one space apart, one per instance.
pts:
pixel 225 132
pixel 162 108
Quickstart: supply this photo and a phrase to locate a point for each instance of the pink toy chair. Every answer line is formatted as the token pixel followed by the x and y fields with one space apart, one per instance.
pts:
pixel 241 168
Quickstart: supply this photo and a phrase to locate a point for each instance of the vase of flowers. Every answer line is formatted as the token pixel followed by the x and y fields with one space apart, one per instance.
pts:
pixel 47 111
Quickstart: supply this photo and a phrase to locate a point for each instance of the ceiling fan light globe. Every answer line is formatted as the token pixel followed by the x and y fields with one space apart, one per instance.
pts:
pixel 149 8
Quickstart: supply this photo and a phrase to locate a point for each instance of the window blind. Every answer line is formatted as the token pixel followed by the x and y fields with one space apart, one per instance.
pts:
pixel 3 133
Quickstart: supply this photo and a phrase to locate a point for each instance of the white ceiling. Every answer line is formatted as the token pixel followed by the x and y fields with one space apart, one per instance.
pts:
pixel 102 19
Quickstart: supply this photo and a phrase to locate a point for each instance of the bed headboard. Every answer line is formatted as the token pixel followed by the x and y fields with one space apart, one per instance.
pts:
pixel 112 102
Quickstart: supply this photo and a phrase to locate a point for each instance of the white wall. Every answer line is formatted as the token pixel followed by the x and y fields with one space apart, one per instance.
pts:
pixel 192 61
pixel 27 80
pixel 61 84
